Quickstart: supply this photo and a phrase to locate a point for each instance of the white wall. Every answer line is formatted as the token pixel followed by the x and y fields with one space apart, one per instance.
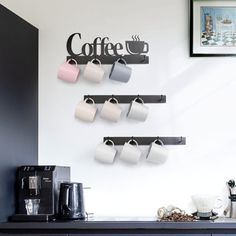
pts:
pixel 200 104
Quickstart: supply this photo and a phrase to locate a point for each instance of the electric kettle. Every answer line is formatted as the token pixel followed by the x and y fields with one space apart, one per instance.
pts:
pixel 71 201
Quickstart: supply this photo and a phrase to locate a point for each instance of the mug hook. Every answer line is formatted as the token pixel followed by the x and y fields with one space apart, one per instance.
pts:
pixel 144 58
pixel 122 59
pixel 132 140
pixel 181 139
pixel 113 99
pixel 139 99
pixel 89 99
pixel 95 59
pixel 109 141
pixel 73 60
pixel 159 141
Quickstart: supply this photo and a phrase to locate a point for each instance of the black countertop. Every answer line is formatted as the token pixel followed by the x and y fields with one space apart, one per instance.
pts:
pixel 121 226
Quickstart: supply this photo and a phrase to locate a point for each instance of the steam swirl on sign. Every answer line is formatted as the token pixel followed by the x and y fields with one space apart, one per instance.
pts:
pixel 135 37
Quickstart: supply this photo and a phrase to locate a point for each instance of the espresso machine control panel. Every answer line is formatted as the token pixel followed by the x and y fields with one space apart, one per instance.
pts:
pixel 33 179
pixel 37 168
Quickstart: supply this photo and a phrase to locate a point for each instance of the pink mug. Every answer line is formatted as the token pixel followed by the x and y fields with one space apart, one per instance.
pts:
pixel 68 72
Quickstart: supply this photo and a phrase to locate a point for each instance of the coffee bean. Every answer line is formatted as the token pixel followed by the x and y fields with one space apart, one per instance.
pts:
pixel 177 217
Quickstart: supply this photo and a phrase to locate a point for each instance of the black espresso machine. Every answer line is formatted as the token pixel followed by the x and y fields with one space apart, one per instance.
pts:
pixel 37 192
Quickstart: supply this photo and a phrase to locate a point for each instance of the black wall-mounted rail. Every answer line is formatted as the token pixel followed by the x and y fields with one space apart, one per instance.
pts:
pixel 128 98
pixel 119 141
pixel 109 60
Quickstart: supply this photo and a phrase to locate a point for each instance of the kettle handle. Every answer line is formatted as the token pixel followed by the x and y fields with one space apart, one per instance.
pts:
pixel 66 206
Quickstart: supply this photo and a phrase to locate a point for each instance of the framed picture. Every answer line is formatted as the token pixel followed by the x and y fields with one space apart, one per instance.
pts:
pixel 212 28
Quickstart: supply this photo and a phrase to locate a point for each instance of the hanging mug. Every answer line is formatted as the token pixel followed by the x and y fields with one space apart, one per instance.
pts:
pixel 137 110
pixel 111 111
pixel 94 72
pixel 157 152
pixel 105 153
pixel 69 72
pixel 120 71
pixel 85 110
pixel 131 153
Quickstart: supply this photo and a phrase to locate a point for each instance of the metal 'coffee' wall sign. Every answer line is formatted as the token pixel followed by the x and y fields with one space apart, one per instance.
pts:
pixel 132 51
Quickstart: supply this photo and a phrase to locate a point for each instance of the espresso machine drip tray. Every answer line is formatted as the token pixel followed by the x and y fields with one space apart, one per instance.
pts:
pixel 32 218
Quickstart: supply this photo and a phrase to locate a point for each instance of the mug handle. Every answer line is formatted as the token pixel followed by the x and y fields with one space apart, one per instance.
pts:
pixel 147 48
pixel 76 64
pixel 134 141
pixel 97 60
pixel 89 99
pixel 110 141
pixel 219 204
pixel 159 142
pixel 123 60
pixel 113 99
pixel 139 99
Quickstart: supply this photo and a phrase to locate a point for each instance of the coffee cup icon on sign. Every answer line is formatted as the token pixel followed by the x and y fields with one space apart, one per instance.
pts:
pixel 136 47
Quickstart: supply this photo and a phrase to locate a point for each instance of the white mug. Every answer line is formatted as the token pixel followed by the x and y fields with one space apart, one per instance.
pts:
pixel 105 153
pixel 111 111
pixel 157 152
pixel 86 111
pixel 137 111
pixel 94 72
pixel 206 203
pixel 130 153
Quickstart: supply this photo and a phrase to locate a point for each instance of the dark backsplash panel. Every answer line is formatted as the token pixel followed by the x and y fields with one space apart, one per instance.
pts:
pixel 18 103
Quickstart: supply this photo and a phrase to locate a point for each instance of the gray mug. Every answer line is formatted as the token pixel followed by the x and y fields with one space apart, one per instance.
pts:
pixel 120 71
